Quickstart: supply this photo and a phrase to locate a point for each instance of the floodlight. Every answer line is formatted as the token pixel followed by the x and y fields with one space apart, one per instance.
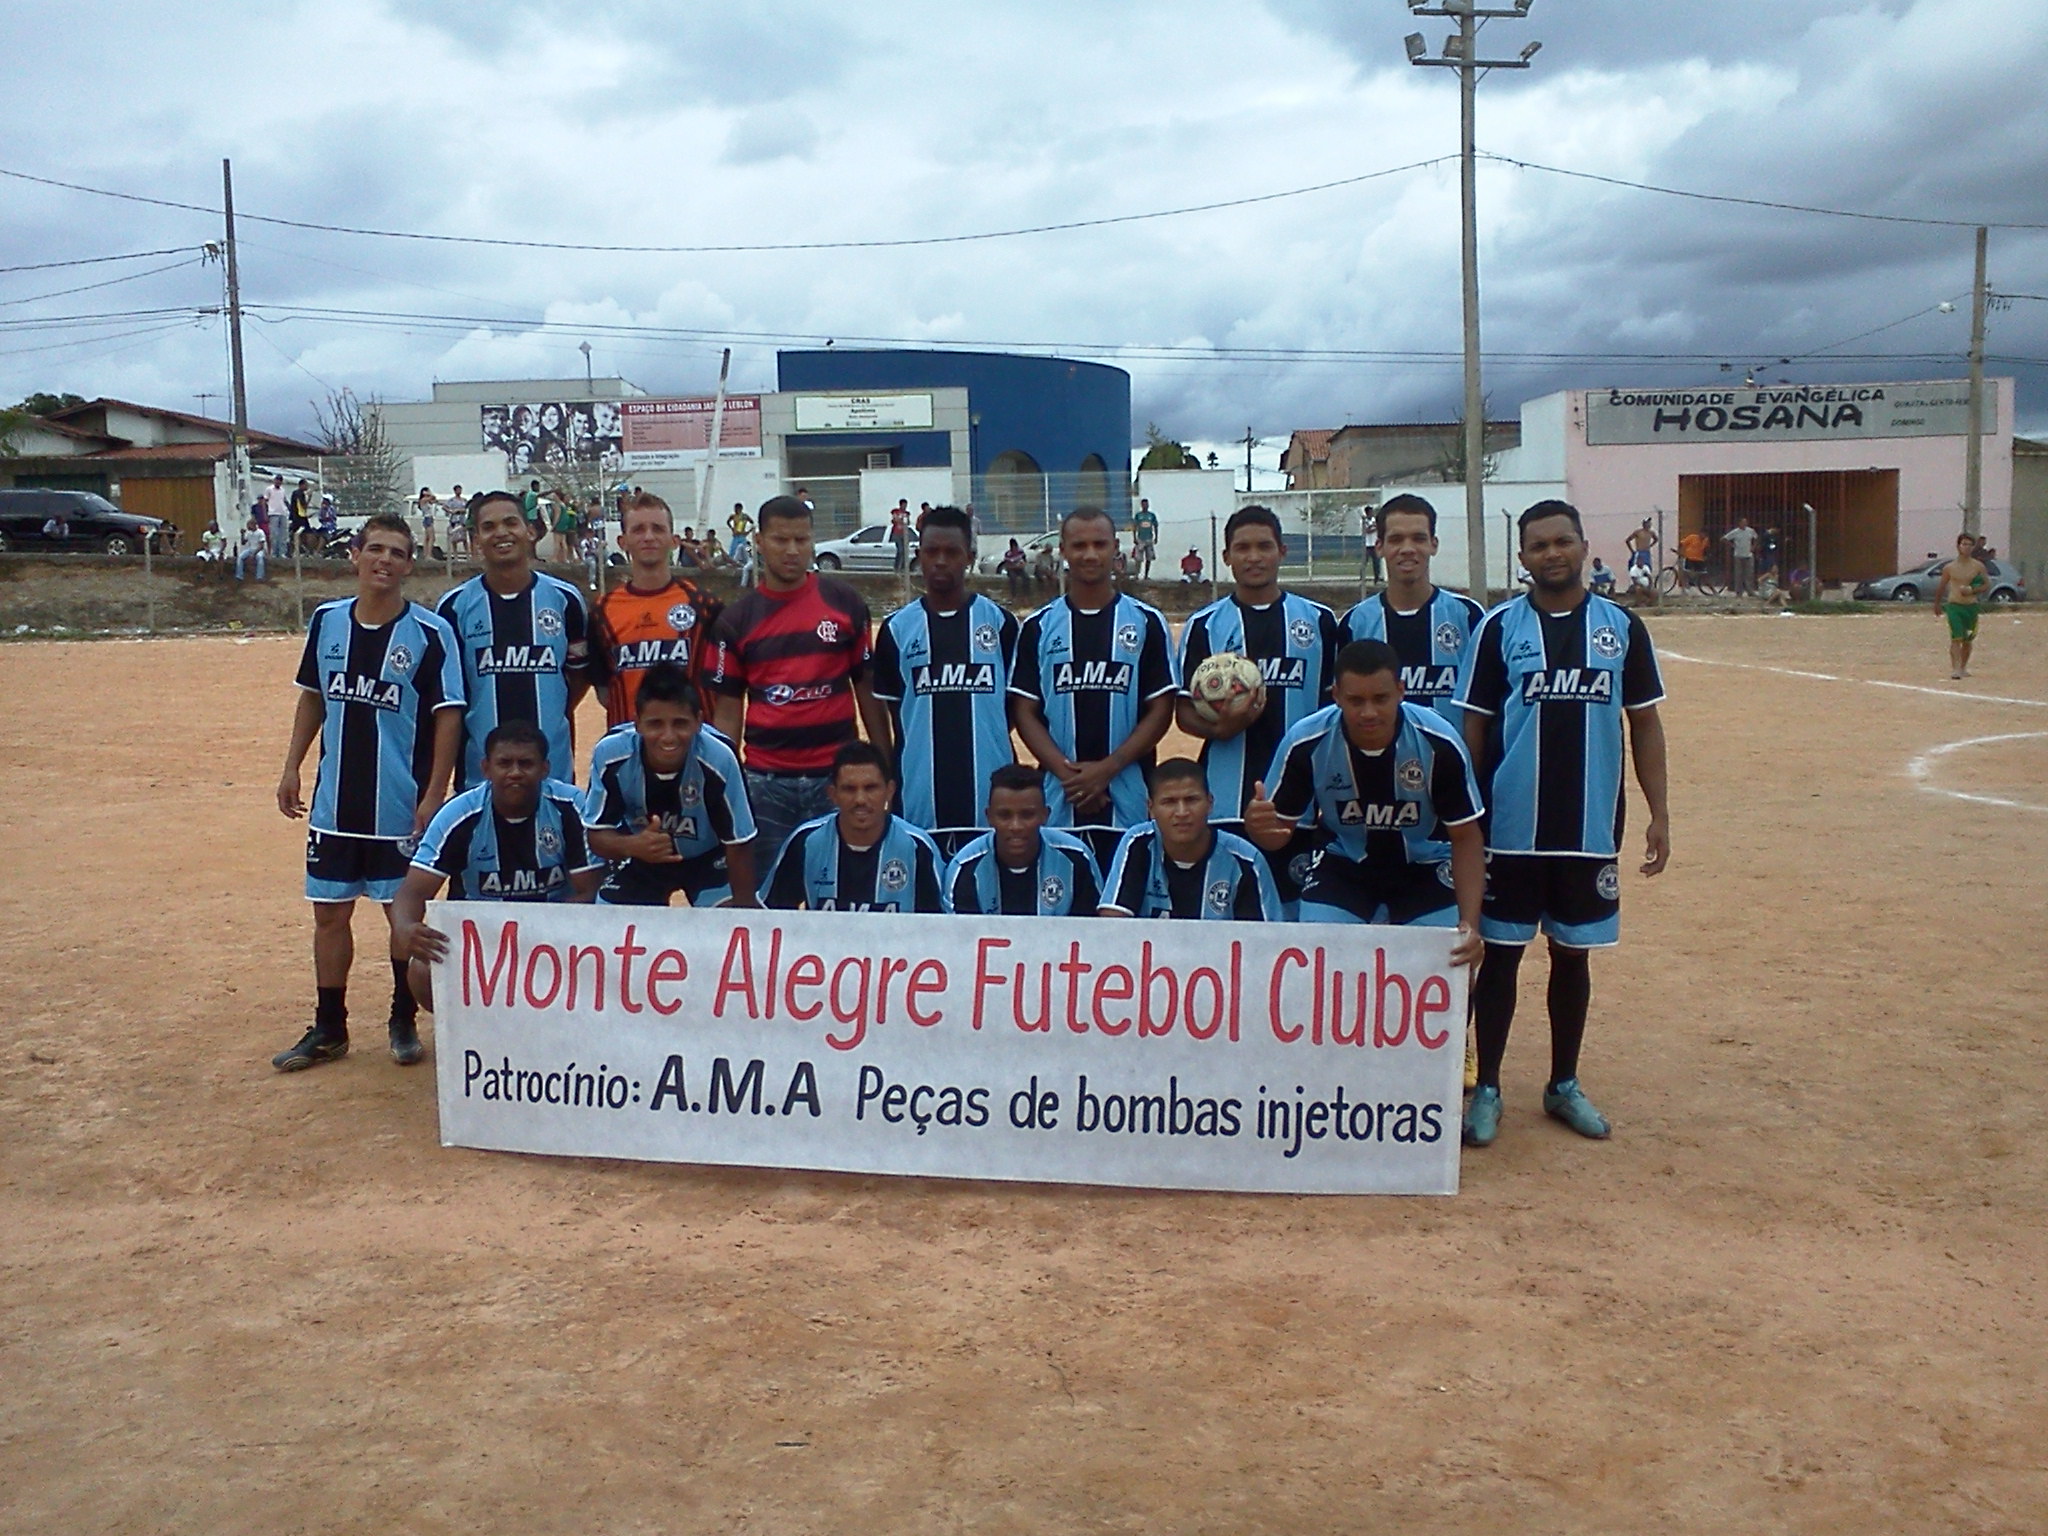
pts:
pixel 1530 52
pixel 1454 46
pixel 1416 47
pixel 1523 6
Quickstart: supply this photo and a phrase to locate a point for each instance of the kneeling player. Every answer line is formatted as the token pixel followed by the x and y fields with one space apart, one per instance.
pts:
pixel 1023 868
pixel 668 803
pixel 1393 786
pixel 518 836
pixel 861 857
pixel 1178 865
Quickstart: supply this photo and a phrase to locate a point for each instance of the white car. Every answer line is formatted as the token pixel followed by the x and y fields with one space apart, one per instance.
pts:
pixel 868 550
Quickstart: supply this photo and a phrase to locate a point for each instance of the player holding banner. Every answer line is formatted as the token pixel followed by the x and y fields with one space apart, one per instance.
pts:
pixel 1392 786
pixel 1550 678
pixel 1093 688
pixel 862 857
pixel 1179 865
pixel 1429 628
pixel 1022 868
pixel 942 665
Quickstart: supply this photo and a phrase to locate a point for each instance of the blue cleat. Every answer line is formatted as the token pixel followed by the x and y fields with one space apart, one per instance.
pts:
pixel 1482 1117
pixel 1567 1102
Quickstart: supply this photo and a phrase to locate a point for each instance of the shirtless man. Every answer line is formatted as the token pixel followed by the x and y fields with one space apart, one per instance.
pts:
pixel 1957 596
pixel 1641 567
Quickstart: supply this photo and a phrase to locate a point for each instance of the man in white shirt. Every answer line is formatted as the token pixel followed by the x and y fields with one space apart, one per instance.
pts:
pixel 1742 541
pixel 254 542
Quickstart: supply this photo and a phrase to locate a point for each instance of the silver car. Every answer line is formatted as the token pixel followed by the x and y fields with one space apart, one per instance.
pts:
pixel 868 550
pixel 1918 584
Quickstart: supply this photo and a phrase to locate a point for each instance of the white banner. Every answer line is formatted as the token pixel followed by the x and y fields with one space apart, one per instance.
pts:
pixel 1232 1056
pixel 861 413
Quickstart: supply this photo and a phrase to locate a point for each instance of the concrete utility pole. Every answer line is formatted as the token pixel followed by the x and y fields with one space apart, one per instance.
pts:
pixel 1250 442
pixel 1973 460
pixel 711 446
pixel 238 442
pixel 1461 52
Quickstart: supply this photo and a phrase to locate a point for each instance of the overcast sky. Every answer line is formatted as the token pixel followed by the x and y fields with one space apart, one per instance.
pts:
pixel 656 123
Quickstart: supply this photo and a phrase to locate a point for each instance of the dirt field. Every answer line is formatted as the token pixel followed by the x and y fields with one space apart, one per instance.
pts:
pixel 1802 1289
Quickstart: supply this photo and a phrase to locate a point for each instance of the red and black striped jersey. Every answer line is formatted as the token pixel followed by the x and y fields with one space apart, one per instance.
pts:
pixel 794 657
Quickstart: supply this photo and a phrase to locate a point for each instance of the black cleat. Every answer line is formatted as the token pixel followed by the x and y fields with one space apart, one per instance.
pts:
pixel 312 1049
pixel 406 1049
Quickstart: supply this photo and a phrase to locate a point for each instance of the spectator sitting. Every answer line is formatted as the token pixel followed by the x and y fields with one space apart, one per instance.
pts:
pixel 1602 578
pixel 1190 567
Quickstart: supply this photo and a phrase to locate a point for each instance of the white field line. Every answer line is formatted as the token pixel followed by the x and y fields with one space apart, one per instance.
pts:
pixel 1921 768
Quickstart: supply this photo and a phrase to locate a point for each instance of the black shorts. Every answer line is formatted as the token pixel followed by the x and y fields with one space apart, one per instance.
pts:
pixel 1576 901
pixel 1408 892
pixel 341 868
pixel 637 884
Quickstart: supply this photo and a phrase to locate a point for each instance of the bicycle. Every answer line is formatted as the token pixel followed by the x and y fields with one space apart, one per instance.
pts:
pixel 1675 578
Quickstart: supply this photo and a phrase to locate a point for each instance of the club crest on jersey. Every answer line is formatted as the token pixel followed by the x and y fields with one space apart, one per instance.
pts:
pixel 985 637
pixel 1448 636
pixel 400 659
pixel 688 793
pixel 1092 677
pixel 682 618
pixel 1377 816
pixel 548 841
pixel 954 677
pixel 828 631
pixel 1605 642
pixel 895 875
pixel 408 846
pixel 1608 882
pixel 1127 637
pixel 351 688
pixel 1218 895
pixel 1443 875
pixel 1568 685
pixel 1051 891
pixel 1409 773
pixel 1303 865
pixel 494 659
pixel 547 622
pixel 1302 633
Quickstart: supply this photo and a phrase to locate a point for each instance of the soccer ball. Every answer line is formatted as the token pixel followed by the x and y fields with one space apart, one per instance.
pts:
pixel 1223 683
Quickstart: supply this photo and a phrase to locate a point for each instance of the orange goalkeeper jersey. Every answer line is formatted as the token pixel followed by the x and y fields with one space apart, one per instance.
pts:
pixel 631 631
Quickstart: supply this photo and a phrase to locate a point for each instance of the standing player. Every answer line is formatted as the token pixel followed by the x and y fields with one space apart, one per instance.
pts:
pixel 655 617
pixel 667 801
pixel 1956 598
pixel 1093 688
pixel 1294 641
pixel 518 836
pixel 524 640
pixel 1391 784
pixel 1428 627
pixel 1178 865
pixel 382 689
pixel 1022 867
pixel 1549 678
pixel 942 666
pixel 861 857
pixel 789 662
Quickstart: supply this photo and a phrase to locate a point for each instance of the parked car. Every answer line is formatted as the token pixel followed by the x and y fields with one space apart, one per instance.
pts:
pixel 868 550
pixel 94 525
pixel 994 546
pixel 1918 584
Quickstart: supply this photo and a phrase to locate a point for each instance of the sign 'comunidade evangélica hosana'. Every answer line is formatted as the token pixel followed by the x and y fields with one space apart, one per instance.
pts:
pixel 1237 1056
pixel 1783 413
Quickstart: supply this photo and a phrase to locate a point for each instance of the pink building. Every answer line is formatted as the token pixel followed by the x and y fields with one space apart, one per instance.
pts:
pixel 1880 464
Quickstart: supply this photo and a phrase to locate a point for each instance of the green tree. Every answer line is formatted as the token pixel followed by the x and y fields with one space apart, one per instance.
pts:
pixel 42 403
pixel 1162 452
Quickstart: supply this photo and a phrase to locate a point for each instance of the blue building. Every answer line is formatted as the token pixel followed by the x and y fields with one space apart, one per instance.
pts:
pixel 1044 434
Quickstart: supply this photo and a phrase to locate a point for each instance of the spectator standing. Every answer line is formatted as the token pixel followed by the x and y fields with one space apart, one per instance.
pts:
pixel 899 533
pixel 1371 544
pixel 738 526
pixel 1013 566
pixel 277 506
pixel 1741 541
pixel 1144 540
pixel 299 514
pixel 1641 563
pixel 1692 555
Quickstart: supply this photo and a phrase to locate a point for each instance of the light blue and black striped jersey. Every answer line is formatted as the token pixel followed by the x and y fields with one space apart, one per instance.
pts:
pixel 702 805
pixel 946 680
pixel 1380 808
pixel 1431 642
pixel 1556 686
pixel 490 857
pixel 1233 884
pixel 1091 673
pixel 380 686
pixel 520 654
pixel 816 869
pixel 1062 882
pixel 1295 642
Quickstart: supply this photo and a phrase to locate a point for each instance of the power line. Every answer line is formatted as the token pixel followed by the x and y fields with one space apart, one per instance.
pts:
pixel 93 261
pixel 754 248
pixel 1751 202
pixel 130 277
